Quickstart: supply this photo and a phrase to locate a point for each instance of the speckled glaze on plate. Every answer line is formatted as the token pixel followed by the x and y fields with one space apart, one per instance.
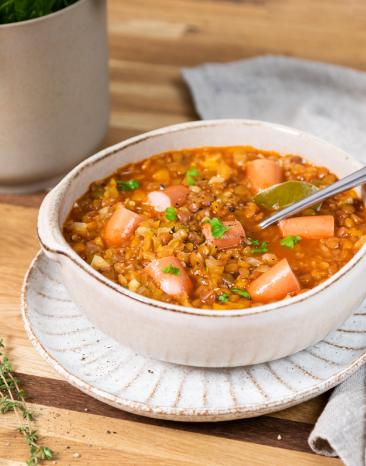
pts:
pixel 116 375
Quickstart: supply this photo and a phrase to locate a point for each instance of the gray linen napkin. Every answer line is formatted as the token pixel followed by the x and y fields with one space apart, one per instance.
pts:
pixel 328 101
pixel 341 428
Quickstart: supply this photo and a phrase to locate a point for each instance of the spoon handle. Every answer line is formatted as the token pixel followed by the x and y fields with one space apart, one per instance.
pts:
pixel 354 179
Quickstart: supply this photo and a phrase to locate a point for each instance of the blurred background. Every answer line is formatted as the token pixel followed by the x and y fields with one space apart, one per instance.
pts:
pixel 151 40
pixel 54 84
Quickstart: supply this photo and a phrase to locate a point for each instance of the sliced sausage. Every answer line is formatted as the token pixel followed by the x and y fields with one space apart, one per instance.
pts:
pixel 172 283
pixel 120 226
pixel 174 196
pixel 275 284
pixel 317 227
pixel 263 173
pixel 231 238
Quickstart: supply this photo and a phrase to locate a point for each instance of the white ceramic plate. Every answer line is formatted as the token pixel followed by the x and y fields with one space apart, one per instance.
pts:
pixel 104 369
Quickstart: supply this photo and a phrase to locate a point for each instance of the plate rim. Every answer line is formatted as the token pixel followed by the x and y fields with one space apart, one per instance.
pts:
pixel 175 413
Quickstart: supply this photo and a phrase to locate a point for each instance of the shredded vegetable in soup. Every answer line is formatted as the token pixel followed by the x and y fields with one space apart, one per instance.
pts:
pixel 181 227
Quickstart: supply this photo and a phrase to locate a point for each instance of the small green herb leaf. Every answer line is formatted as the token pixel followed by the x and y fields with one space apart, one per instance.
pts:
pixel 290 241
pixel 129 185
pixel 261 249
pixel 218 229
pixel 242 293
pixel 223 298
pixel 191 176
pixel 46 453
pixel 170 213
pixel 171 269
pixel 254 242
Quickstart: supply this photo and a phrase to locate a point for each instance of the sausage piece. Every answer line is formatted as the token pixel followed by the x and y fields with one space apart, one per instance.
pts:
pixel 263 173
pixel 120 226
pixel 170 275
pixel 317 227
pixel 174 196
pixel 275 284
pixel 231 238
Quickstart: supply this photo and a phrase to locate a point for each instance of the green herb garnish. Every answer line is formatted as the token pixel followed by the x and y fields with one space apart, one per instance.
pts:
pixel 218 229
pixel 171 269
pixel 170 213
pixel 254 242
pixel 12 11
pixel 129 185
pixel 223 298
pixel 242 293
pixel 12 398
pixel 290 241
pixel 191 176
pixel 262 248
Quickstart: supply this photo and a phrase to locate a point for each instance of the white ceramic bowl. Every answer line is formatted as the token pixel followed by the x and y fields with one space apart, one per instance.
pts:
pixel 194 336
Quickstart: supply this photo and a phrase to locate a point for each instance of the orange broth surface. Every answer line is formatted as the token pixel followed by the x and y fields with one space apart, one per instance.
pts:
pixel 219 187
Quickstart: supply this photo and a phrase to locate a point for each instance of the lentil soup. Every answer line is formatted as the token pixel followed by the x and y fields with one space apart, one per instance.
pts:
pixel 181 227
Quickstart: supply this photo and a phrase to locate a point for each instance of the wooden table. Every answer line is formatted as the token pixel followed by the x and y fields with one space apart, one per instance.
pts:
pixel 150 40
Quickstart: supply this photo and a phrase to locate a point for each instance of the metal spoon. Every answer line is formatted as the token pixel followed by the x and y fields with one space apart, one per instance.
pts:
pixel 355 179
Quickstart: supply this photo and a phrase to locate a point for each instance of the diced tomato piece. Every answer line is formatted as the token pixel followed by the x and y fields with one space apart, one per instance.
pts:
pixel 263 173
pixel 120 226
pixel 231 238
pixel 317 227
pixel 175 280
pixel 174 196
pixel 275 284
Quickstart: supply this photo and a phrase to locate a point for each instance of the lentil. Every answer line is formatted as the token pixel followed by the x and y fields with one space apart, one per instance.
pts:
pixel 219 188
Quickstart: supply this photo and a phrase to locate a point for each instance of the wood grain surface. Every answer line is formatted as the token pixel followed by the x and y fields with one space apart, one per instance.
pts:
pixel 150 41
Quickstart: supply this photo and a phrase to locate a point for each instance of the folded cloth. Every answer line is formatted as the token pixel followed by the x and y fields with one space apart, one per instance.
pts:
pixel 328 101
pixel 341 429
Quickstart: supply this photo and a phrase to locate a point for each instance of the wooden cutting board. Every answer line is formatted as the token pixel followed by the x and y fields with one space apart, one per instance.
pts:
pixel 150 40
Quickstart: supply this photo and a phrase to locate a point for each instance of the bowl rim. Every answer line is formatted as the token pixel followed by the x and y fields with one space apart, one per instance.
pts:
pixel 56 196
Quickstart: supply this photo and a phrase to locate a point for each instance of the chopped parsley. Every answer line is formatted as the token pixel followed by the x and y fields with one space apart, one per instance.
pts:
pixel 262 247
pixel 223 298
pixel 129 185
pixel 191 176
pixel 171 269
pixel 242 293
pixel 218 229
pixel 254 242
pixel 290 241
pixel 170 213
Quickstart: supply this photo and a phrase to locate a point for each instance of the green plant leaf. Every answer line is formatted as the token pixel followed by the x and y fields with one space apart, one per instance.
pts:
pixel 261 249
pixel 171 269
pixel 223 298
pixel 170 213
pixel 241 292
pixel 282 195
pixel 129 185
pixel 218 229
pixel 290 241
pixel 12 11
pixel 191 176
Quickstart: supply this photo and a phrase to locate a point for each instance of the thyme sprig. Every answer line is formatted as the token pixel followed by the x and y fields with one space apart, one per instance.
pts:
pixel 12 399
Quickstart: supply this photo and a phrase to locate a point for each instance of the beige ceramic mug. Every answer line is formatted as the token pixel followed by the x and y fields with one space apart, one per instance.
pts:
pixel 54 99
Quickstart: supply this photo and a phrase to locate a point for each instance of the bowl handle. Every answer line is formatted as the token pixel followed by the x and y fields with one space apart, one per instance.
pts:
pixel 49 234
